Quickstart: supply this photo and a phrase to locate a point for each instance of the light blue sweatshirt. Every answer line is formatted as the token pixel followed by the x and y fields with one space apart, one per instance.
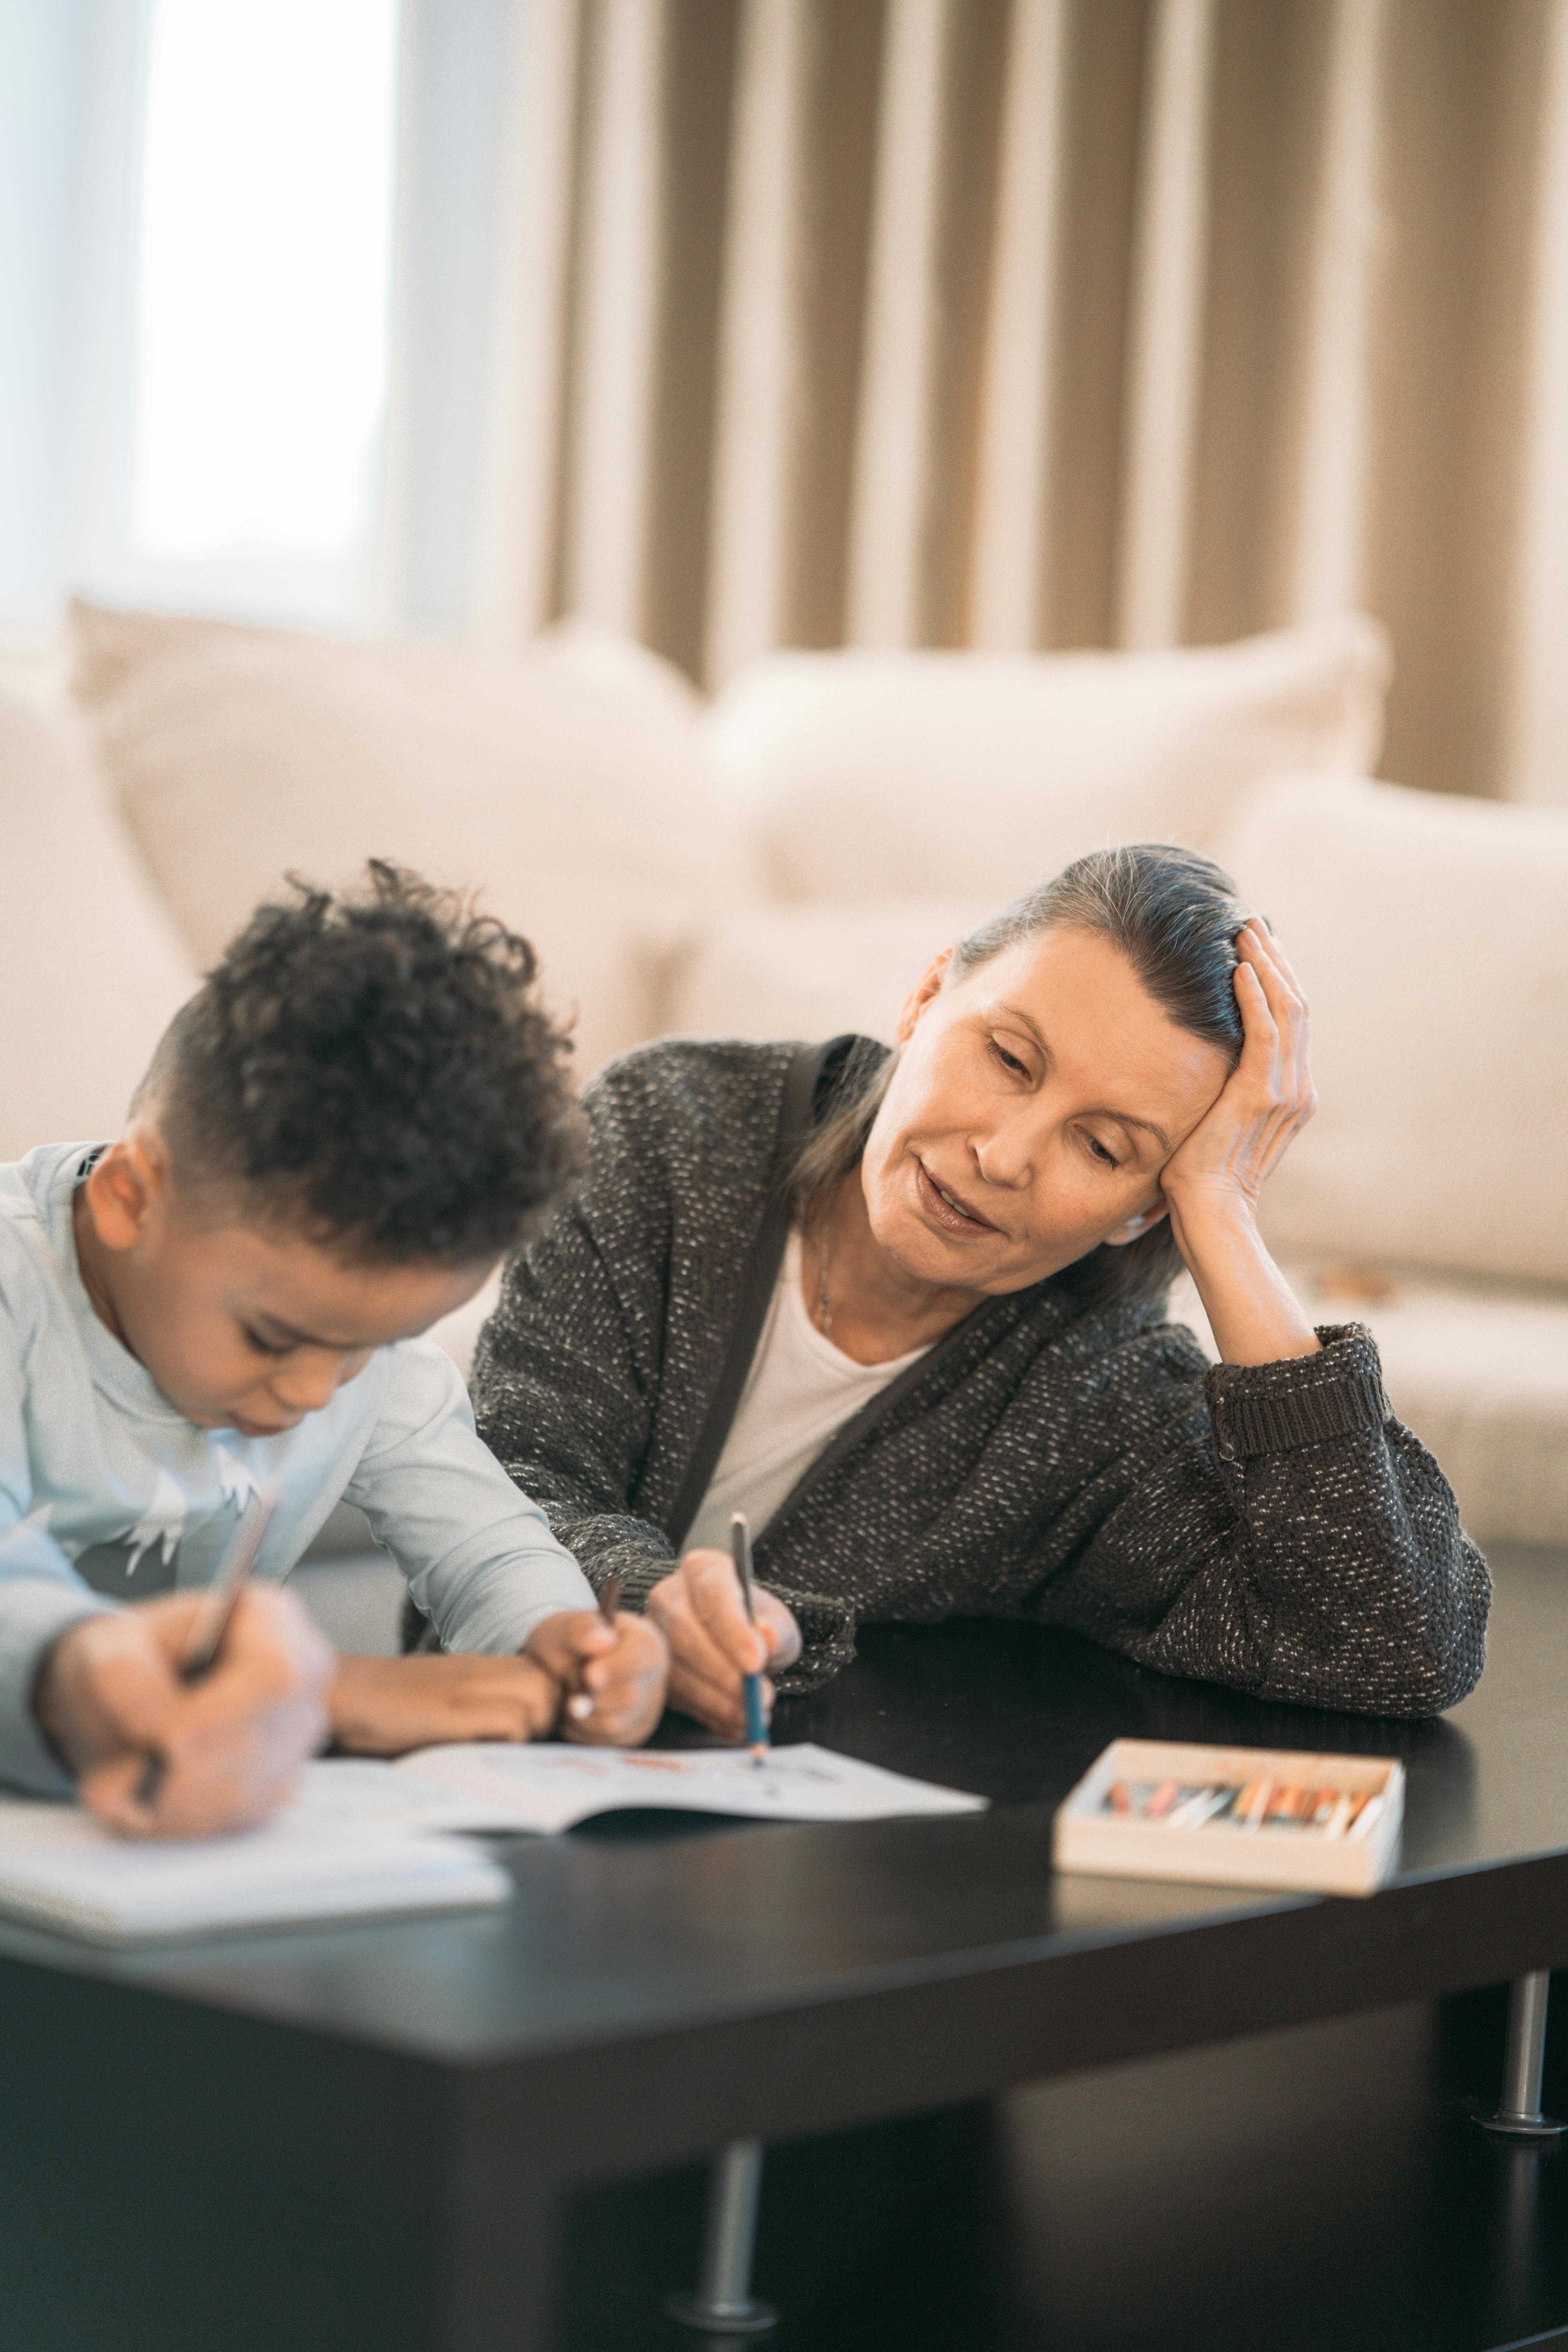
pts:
pixel 107 1494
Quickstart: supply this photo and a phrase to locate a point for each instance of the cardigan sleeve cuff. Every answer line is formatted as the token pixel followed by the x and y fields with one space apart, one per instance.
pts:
pixel 638 1572
pixel 1300 1400
pixel 827 1639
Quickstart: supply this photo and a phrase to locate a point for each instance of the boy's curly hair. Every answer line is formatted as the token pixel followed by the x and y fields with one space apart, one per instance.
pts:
pixel 375 1068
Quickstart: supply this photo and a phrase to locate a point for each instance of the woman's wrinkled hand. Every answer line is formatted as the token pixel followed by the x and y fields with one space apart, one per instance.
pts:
pixel 1268 1097
pixel 701 1614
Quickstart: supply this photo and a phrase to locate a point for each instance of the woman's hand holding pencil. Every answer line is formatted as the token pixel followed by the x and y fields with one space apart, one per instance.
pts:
pixel 700 1608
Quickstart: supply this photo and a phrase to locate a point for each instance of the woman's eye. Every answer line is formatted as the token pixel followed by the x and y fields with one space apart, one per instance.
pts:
pixel 1010 1062
pixel 1100 1153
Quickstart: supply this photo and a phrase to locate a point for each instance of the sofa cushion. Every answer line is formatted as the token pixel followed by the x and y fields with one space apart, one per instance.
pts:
pixel 1480 1374
pixel 1430 934
pixel 812 972
pixel 566 783
pixel 90 966
pixel 861 775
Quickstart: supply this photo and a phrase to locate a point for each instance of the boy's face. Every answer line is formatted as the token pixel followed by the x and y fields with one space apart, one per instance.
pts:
pixel 243 1326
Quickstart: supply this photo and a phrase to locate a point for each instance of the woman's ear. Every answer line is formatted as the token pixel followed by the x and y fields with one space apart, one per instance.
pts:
pixel 1136 1227
pixel 924 993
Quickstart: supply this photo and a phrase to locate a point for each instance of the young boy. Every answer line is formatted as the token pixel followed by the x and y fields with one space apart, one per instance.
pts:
pixel 359 1112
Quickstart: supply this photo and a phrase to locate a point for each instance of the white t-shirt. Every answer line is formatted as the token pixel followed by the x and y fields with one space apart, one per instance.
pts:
pixel 107 1493
pixel 800 1391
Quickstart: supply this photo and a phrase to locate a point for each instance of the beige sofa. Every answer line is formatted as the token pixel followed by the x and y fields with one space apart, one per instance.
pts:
pixel 786 860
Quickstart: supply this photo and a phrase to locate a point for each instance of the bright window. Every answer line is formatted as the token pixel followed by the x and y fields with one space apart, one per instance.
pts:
pixel 263 280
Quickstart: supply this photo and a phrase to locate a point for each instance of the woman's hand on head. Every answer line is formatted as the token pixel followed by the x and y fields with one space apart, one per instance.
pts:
pixel 1218 1172
pixel 1212 1183
pixel 701 1614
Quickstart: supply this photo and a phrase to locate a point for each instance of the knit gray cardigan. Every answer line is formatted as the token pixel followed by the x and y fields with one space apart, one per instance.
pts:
pixel 1271 1525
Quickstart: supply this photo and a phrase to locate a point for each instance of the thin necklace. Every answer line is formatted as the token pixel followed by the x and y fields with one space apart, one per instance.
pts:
pixel 823 1308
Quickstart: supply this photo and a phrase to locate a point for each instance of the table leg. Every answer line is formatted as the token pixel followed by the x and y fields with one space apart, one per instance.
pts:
pixel 496 2270
pixel 1519 2115
pixel 723 2303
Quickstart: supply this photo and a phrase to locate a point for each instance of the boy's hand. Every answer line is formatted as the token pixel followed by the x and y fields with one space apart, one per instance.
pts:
pixel 614 1678
pixel 109 1697
pixel 383 1707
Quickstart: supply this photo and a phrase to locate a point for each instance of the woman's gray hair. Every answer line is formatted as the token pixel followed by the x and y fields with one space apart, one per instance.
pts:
pixel 1175 916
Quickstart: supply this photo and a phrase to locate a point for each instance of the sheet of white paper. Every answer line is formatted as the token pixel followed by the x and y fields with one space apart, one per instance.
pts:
pixel 60 1868
pixel 547 1787
pixel 355 1792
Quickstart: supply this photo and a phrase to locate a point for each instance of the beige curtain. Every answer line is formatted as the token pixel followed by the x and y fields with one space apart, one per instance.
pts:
pixel 1021 323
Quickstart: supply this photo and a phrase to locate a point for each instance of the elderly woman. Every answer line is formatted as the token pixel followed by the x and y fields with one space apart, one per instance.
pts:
pixel 906 1310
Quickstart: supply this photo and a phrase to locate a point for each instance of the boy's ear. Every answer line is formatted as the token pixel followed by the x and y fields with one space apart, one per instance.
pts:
pixel 923 992
pixel 126 1183
pixel 1136 1227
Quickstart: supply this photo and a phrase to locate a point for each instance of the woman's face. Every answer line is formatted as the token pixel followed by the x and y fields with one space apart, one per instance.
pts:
pixel 1033 1108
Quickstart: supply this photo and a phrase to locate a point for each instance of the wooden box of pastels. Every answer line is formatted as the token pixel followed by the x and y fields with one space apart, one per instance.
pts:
pixel 1234 1817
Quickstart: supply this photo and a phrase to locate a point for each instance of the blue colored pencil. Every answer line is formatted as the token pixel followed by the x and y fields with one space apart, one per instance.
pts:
pixel 751 1684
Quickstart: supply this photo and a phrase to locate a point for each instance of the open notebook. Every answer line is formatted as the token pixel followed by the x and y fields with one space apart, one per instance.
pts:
pixel 366 1839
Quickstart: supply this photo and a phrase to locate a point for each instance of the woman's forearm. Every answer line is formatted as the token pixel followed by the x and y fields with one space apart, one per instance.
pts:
pixel 1305 1546
pixel 1253 1312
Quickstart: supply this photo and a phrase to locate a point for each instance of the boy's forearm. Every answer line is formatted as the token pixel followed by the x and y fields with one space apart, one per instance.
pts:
pixel 480 1558
pixel 385 1706
pixel 604 1543
pixel 493 1605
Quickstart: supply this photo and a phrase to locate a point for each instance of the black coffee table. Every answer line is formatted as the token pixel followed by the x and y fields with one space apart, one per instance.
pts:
pixel 359 2137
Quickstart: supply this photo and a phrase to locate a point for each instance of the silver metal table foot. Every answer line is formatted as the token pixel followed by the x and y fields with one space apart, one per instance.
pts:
pixel 723 2303
pixel 1518 2116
